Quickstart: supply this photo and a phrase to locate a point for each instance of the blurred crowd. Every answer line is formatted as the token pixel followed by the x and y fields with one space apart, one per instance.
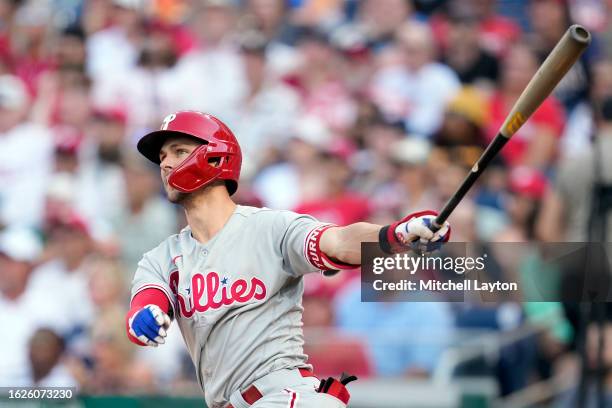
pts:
pixel 349 110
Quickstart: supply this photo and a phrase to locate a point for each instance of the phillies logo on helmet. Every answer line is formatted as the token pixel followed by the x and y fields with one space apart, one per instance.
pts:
pixel 167 121
pixel 211 292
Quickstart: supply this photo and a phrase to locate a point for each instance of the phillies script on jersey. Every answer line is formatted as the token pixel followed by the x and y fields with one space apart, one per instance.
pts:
pixel 204 290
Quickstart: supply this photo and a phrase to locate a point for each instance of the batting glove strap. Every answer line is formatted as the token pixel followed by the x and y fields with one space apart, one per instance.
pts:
pixel 391 242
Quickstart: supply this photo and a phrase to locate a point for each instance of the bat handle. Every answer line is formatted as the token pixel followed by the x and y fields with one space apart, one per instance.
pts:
pixel 436 225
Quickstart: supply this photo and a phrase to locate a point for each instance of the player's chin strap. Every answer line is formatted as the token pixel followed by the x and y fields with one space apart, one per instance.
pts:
pixel 337 388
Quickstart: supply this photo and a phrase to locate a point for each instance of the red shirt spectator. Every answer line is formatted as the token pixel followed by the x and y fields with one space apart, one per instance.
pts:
pixel 343 210
pixel 549 118
pixel 497 33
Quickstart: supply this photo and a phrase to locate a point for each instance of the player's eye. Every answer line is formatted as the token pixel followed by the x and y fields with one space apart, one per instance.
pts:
pixel 182 152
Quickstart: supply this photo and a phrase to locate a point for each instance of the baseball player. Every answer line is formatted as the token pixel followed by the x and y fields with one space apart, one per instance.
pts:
pixel 232 279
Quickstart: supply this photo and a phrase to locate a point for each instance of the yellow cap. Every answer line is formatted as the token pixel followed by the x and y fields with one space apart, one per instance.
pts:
pixel 470 103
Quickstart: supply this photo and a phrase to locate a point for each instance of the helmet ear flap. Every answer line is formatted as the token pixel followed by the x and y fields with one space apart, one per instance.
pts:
pixel 194 172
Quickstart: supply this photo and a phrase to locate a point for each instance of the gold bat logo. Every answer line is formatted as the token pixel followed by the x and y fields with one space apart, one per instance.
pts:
pixel 515 123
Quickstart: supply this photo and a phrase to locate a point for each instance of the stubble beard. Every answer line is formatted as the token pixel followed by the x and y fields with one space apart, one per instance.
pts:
pixel 173 195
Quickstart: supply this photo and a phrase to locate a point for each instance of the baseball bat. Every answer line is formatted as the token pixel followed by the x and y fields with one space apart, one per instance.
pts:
pixel 555 66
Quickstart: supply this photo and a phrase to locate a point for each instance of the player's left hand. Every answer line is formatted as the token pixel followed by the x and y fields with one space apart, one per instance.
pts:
pixel 150 325
pixel 417 232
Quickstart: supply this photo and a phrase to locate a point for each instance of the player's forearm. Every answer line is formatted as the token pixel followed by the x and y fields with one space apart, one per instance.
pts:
pixel 344 243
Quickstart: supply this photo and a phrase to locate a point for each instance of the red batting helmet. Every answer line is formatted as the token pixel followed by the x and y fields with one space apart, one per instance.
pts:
pixel 195 171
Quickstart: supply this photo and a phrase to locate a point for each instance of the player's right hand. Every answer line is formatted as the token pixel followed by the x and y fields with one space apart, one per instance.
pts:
pixel 150 325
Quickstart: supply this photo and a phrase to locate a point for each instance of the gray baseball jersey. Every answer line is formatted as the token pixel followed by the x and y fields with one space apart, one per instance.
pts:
pixel 238 298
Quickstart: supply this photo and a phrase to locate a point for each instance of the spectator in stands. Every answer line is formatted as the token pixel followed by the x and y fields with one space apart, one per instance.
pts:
pixel 423 86
pixel 549 19
pixel 374 170
pixel 269 17
pixel 571 398
pixel 569 212
pixel 107 135
pixel 464 119
pixel 358 58
pixel 145 92
pixel 536 143
pixel 403 338
pixel 87 178
pixel 70 53
pixel 527 188
pixel 323 14
pixel 605 33
pixel 23 177
pixel 337 202
pixel 464 54
pixel 268 111
pixel 135 232
pixel 30 54
pixel 73 106
pixel 64 272
pixel 8 8
pixel 497 32
pixel 299 171
pixel 380 20
pixel 107 283
pixel 213 72
pixel 114 49
pixel 23 308
pixel 114 371
pixel 410 157
pixel 581 125
pixel 273 19
pixel 321 81
pixel 46 351
pixel 328 349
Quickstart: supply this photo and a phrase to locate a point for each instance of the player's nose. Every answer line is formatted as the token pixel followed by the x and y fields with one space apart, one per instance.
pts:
pixel 166 163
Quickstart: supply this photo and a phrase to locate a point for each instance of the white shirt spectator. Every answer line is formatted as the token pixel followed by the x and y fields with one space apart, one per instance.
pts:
pixel 95 192
pixel 58 377
pixel 578 130
pixel 278 186
pixel 146 95
pixel 110 53
pixel 423 94
pixel 71 297
pixel 137 234
pixel 26 153
pixel 211 81
pixel 165 361
pixel 266 120
pixel 36 307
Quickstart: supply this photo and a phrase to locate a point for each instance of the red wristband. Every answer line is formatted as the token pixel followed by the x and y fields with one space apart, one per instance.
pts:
pixel 317 257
